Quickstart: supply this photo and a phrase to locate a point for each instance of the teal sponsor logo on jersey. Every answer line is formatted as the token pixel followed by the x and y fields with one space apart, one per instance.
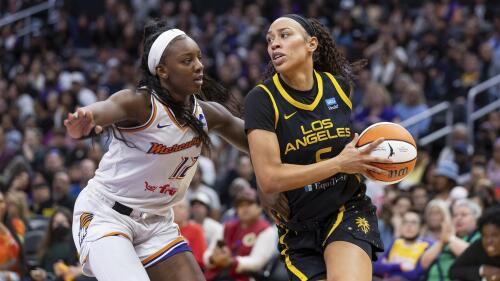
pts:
pixel 331 103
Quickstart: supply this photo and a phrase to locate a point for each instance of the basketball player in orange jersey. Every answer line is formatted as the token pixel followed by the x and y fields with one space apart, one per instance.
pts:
pixel 123 221
pixel 301 143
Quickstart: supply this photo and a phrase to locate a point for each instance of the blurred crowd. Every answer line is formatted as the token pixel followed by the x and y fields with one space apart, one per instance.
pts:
pixel 419 53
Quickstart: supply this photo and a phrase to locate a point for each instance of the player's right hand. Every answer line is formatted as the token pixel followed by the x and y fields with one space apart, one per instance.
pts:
pixel 80 123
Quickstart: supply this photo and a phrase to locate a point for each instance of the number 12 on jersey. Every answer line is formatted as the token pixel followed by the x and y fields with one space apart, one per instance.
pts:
pixel 181 169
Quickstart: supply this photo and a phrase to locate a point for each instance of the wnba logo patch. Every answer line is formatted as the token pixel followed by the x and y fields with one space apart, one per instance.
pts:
pixel 85 220
pixel 331 103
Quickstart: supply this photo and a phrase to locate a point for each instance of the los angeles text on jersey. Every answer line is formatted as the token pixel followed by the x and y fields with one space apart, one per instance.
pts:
pixel 317 131
pixel 158 148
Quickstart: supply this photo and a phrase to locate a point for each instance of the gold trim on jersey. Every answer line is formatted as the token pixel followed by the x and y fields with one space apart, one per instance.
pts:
pixel 341 92
pixel 288 98
pixel 163 250
pixel 172 117
pixel 145 125
pixel 276 111
pixel 288 262
pixel 117 233
pixel 336 224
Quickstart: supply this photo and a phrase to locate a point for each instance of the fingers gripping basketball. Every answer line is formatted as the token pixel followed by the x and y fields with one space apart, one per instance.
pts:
pixel 399 148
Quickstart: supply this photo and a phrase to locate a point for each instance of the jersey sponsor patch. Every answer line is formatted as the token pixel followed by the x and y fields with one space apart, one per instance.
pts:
pixel 163 189
pixel 331 103
pixel 158 148
pixel 323 185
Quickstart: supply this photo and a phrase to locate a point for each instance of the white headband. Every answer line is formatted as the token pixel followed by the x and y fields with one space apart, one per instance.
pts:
pixel 159 45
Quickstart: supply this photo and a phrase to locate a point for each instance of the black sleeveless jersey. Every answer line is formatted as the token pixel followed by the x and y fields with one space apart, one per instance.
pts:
pixel 310 126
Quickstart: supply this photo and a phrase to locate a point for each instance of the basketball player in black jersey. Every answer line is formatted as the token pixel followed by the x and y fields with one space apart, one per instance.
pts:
pixel 302 144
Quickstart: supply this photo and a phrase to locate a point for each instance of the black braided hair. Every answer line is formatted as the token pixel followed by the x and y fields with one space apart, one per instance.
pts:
pixel 327 57
pixel 182 112
pixel 210 90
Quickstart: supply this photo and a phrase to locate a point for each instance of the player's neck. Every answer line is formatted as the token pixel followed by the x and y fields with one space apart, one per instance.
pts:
pixel 174 93
pixel 301 79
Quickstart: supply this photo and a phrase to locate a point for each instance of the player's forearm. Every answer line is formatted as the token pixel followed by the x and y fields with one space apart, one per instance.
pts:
pixel 234 133
pixel 284 177
pixel 106 113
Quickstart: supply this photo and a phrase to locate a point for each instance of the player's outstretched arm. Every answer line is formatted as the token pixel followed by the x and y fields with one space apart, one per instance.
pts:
pixel 275 176
pixel 228 126
pixel 123 105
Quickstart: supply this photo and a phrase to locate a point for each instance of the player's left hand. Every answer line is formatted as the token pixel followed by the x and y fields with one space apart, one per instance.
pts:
pixel 80 123
pixel 275 205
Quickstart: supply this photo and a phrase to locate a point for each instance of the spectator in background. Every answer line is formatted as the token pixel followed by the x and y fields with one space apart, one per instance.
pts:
pixel 246 243
pixel 237 186
pixel 244 170
pixel 450 46
pixel 13 137
pixel 376 107
pixel 419 198
pixel 493 168
pixel 83 94
pixel 32 148
pixel 11 234
pixel 458 137
pixel 454 239
pixel 445 177
pixel 57 254
pixel 413 103
pixel 437 215
pixel 61 191
pixel 53 162
pixel 6 153
pixel 463 161
pixel 484 196
pixel 359 91
pixel 477 173
pixel 200 210
pixel 196 187
pixel 401 205
pixel 193 232
pixel 402 258
pixel 42 200
pixel 18 188
pixel 481 260
pixel 458 193
pixel 86 171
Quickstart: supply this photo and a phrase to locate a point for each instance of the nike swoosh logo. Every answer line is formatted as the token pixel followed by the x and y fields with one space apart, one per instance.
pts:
pixel 160 126
pixel 289 115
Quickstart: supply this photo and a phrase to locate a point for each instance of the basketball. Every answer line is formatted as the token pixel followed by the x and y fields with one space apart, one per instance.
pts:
pixel 398 146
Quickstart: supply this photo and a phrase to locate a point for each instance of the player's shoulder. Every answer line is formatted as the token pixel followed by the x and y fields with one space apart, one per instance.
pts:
pixel 137 96
pixel 343 81
pixel 260 93
pixel 262 88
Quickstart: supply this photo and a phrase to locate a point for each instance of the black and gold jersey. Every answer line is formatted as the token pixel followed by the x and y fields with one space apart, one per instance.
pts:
pixel 311 126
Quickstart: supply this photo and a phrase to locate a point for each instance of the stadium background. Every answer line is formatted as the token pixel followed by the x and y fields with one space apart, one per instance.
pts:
pixel 425 58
